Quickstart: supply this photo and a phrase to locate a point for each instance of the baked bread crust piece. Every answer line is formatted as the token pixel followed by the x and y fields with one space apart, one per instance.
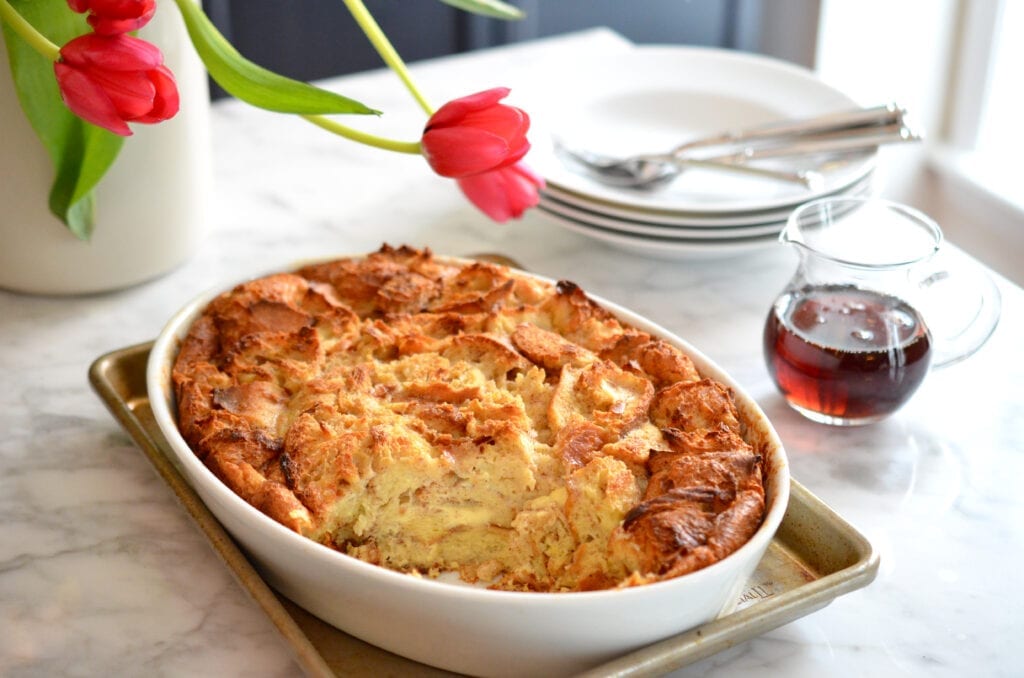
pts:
pixel 433 415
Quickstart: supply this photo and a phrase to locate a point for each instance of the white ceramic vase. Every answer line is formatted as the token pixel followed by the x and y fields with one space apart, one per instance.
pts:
pixel 151 207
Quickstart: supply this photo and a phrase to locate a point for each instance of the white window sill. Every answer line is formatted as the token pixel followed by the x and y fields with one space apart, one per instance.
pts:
pixel 995 181
pixel 978 207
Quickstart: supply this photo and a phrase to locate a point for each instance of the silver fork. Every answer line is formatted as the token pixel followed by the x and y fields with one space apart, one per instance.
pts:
pixel 651 171
pixel 844 132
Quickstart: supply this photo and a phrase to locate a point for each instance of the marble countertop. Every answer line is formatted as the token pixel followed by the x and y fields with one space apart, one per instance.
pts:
pixel 102 573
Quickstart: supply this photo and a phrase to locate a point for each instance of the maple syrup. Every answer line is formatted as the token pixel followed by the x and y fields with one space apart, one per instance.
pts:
pixel 844 355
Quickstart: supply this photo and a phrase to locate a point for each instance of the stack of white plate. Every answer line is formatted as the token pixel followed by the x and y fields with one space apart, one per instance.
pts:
pixel 648 100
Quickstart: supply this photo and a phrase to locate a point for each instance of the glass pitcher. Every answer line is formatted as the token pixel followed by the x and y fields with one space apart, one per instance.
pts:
pixel 871 309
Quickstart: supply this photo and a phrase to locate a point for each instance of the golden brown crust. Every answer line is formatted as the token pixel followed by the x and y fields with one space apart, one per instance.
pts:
pixel 430 415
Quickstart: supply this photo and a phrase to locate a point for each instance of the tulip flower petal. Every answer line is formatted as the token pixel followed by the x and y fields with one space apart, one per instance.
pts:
pixel 166 100
pixel 97 73
pixel 458 152
pixel 114 17
pixel 505 121
pixel 504 193
pixel 108 26
pixel 121 9
pixel 456 109
pixel 475 134
pixel 126 53
pixel 131 92
pixel 521 187
pixel 88 101
pixel 117 53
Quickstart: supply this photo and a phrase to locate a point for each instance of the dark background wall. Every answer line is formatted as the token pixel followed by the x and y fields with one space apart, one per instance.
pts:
pixel 311 39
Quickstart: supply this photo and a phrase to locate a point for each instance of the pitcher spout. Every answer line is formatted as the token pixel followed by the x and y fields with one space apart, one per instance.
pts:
pixel 790 234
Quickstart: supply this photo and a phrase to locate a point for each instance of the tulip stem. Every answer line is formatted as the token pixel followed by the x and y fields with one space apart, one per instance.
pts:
pixel 363 137
pixel 387 52
pixel 27 31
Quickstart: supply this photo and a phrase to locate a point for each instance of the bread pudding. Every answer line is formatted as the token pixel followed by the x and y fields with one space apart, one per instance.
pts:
pixel 432 415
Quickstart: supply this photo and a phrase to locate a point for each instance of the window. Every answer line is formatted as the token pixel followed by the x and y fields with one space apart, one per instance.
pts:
pixel 985 137
pixel 999 131
pixel 952 63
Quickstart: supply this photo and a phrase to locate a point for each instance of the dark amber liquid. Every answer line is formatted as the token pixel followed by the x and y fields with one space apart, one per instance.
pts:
pixel 844 353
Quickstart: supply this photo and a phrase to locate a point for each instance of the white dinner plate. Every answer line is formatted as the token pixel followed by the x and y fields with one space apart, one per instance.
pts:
pixel 690 220
pixel 675 249
pixel 639 227
pixel 651 98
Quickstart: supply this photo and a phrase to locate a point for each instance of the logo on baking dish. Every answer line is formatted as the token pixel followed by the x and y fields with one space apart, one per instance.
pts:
pixel 84 79
pixel 755 593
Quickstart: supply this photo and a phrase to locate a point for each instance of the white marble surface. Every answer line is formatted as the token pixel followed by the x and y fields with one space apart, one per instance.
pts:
pixel 101 572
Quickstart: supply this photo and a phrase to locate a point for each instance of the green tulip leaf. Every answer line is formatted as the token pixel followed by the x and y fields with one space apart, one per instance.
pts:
pixel 492 8
pixel 254 84
pixel 81 153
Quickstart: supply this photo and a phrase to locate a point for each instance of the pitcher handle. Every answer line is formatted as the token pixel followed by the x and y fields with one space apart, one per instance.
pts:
pixel 962 306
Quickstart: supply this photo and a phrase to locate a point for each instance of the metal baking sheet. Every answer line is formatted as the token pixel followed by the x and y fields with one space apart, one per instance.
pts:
pixel 814 557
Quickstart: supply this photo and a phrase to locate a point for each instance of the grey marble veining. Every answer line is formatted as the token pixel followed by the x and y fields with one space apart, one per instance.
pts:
pixel 102 573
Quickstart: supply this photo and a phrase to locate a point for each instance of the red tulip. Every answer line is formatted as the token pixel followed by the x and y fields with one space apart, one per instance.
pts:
pixel 112 17
pixel 110 81
pixel 504 193
pixel 475 134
